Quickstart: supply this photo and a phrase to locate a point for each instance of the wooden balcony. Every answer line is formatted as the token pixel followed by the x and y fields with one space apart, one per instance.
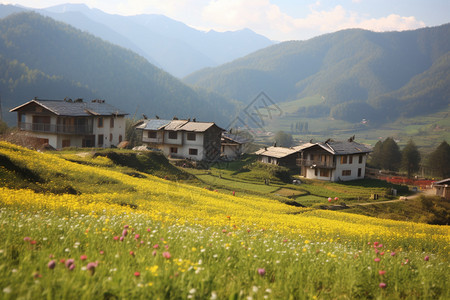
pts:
pixel 53 128
pixel 316 163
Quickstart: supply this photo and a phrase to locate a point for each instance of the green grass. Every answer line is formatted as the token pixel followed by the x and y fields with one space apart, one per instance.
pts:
pixel 193 262
pixel 216 182
pixel 177 259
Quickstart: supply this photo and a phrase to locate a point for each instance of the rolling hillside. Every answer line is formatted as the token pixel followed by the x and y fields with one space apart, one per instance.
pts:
pixel 49 59
pixel 352 71
pixel 164 42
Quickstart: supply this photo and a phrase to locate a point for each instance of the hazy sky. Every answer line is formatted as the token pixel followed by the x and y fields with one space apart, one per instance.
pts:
pixel 279 19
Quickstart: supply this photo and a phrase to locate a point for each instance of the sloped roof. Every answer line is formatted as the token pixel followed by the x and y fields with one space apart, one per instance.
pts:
pixel 75 109
pixel 340 148
pixel 276 152
pixel 233 138
pixel 442 182
pixel 196 126
pixel 153 124
pixel 175 125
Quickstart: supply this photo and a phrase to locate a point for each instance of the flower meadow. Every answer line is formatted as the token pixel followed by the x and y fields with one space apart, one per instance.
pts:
pixel 123 237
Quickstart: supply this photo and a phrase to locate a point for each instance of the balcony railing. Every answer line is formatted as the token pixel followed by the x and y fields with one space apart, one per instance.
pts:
pixel 53 128
pixel 316 163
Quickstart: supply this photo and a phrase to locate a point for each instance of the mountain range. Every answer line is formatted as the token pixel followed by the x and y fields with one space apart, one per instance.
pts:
pixel 51 60
pixel 164 42
pixel 356 74
pixel 352 74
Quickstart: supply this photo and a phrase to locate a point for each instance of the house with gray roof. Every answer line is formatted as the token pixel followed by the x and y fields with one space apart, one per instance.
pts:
pixel 280 156
pixel 72 123
pixel 333 160
pixel 185 139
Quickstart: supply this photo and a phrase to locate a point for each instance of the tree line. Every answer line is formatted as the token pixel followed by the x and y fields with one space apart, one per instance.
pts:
pixel 387 155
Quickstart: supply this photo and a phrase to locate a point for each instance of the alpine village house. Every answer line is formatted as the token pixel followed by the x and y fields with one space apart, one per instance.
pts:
pixel 200 141
pixel 330 160
pixel 68 123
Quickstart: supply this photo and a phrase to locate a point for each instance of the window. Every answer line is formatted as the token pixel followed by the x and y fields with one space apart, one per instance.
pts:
pixel 100 122
pixel 346 172
pixel 359 172
pixel 191 136
pixel 120 138
pixel 100 140
pixel 316 172
pixel 111 122
pixel 193 151
pixel 110 137
pixel 173 135
pixel 343 159
pixel 151 134
pixel 65 143
pixel 173 150
pixel 269 160
pixel 324 173
pixel 350 159
pixel 360 159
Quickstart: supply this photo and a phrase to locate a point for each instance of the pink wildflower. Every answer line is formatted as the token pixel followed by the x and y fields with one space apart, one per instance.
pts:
pixel 392 253
pixel 382 285
pixel 83 257
pixel 124 232
pixel 122 238
pixel 382 272
pixel 51 264
pixel 71 267
pixel 91 267
pixel 166 255
pixel 136 236
pixel 154 253
pixel 102 252
pixel 26 239
pixel 137 274
pixel 125 226
pixel 131 253
pixel 261 271
pixel 377 259
pixel 427 258
pixel 156 246
pixel 70 262
pixel 116 238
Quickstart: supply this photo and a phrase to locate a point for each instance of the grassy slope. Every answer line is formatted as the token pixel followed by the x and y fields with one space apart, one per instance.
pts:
pixel 216 242
pixel 241 177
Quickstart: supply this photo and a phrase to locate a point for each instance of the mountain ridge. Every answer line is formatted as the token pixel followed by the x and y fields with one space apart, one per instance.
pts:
pixel 352 65
pixel 95 68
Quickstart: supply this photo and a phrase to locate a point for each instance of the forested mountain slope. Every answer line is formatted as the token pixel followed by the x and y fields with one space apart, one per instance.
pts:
pixel 52 60
pixel 351 70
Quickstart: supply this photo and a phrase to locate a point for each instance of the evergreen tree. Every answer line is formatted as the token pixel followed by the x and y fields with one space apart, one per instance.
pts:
pixel 440 160
pixel 410 158
pixel 391 156
pixel 375 160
